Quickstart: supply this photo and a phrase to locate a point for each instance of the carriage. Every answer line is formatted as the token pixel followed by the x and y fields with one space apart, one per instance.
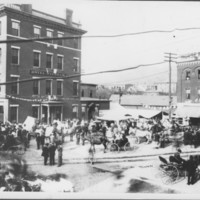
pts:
pixel 171 172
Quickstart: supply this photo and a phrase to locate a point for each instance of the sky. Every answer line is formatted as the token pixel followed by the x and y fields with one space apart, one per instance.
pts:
pixel 118 17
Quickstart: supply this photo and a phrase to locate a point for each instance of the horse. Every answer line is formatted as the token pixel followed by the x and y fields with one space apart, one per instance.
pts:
pixel 97 139
pixel 142 134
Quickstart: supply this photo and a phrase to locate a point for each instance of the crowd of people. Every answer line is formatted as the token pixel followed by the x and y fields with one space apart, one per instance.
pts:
pixel 13 134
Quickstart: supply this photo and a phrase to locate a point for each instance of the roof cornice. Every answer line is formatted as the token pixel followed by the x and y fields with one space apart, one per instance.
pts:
pixel 51 23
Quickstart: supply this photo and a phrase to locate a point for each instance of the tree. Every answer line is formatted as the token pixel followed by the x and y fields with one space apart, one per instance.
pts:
pixel 103 92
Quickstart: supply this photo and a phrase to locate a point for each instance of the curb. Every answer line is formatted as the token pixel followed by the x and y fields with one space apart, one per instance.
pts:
pixel 119 159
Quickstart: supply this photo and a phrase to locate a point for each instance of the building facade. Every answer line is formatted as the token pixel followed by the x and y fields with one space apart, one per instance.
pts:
pixel 188 79
pixel 54 96
pixel 91 106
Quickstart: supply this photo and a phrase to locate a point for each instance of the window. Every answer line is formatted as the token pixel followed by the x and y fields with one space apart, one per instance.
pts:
pixel 15 56
pixel 15 86
pixel 0 27
pixel 15 28
pixel 76 65
pixel 198 73
pixel 60 62
pixel 59 87
pixel 13 114
pixel 198 93
pixel 0 55
pixel 74 111
pixel 60 42
pixel 49 61
pixel 188 94
pixel 49 35
pixel 83 112
pixel 76 43
pixel 82 93
pixel 187 75
pixel 35 112
pixel 48 87
pixel 36 59
pixel 36 87
pixel 75 88
pixel 37 31
pixel 91 93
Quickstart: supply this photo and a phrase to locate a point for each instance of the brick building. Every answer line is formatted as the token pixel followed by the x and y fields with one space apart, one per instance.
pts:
pixel 188 88
pixel 188 79
pixel 55 97
pixel 91 106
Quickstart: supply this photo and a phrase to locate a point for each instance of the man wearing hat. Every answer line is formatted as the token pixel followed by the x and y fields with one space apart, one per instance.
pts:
pixel 177 157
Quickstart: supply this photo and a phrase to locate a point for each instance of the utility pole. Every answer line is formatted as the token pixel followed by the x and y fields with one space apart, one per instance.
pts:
pixel 170 57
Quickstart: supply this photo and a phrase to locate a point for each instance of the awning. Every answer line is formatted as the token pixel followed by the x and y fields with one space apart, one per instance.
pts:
pixel 188 110
pixel 114 117
pixel 144 113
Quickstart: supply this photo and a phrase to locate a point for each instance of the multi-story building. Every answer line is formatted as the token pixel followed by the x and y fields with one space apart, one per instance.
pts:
pixel 188 78
pixel 188 88
pixel 91 106
pixel 54 97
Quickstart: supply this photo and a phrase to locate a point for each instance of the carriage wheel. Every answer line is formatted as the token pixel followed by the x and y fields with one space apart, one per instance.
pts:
pixel 136 140
pixel 114 148
pixel 170 175
pixel 20 150
pixel 128 147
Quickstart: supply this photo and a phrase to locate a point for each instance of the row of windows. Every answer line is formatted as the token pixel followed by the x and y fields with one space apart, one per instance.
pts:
pixel 188 74
pixel 188 93
pixel 37 34
pixel 14 111
pixel 48 87
pixel 15 59
pixel 83 93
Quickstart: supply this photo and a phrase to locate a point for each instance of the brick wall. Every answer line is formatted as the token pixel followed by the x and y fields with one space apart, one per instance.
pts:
pixel 26 63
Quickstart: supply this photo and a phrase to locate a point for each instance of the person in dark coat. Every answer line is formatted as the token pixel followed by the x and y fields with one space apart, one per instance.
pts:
pixel 60 150
pixel 52 150
pixel 191 169
pixel 45 153
pixel 42 139
pixel 38 140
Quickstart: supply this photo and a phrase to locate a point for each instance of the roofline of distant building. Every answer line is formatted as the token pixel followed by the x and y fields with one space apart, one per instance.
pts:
pixel 188 61
pixel 93 99
pixel 89 84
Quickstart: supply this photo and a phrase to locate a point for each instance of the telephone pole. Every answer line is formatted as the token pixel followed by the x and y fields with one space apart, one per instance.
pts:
pixel 170 57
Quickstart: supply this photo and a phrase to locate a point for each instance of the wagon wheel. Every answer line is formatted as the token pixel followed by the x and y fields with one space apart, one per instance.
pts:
pixel 20 150
pixel 170 174
pixel 128 147
pixel 136 140
pixel 114 148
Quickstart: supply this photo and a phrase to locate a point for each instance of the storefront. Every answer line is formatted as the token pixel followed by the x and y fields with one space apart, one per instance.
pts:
pixel 90 107
pixel 51 111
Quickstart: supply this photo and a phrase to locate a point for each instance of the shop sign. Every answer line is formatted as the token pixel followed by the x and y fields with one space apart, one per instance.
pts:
pixel 47 73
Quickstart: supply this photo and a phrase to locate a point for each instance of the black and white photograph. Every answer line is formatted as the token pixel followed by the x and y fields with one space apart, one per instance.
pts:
pixel 99 99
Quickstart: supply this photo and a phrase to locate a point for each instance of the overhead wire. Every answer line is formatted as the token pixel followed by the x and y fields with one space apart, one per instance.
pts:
pixel 84 74
pixel 135 79
pixel 97 36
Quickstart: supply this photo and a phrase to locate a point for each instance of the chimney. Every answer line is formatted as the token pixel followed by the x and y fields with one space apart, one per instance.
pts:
pixel 69 14
pixel 26 8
